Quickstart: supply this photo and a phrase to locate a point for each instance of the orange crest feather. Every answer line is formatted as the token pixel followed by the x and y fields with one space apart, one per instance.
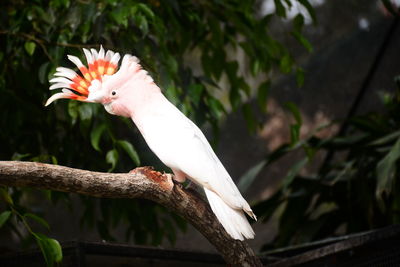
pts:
pixel 99 64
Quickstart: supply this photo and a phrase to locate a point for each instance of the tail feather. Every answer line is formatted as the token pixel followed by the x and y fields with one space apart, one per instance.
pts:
pixel 234 221
pixel 249 212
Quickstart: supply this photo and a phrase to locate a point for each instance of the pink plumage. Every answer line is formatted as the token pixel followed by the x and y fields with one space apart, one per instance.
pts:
pixel 176 140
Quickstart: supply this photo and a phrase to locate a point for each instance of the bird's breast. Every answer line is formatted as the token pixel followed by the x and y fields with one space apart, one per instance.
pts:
pixel 161 137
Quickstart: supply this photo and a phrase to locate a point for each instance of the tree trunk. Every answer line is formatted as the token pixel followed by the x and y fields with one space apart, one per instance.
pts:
pixel 140 183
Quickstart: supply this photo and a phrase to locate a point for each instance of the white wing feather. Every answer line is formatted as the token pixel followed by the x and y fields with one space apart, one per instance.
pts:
pixel 181 145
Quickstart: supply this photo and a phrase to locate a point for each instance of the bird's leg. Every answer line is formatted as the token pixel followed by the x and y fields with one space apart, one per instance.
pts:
pixel 179 176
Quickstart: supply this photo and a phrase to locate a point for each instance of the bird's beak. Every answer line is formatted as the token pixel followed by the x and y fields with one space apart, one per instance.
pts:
pixel 95 96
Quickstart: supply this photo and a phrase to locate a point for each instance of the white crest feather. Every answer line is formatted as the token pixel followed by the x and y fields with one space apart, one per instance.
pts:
pixel 64 72
pixel 88 55
pixel 75 60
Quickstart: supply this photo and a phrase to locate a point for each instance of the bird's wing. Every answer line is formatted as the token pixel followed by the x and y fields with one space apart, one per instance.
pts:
pixel 181 145
pixel 220 181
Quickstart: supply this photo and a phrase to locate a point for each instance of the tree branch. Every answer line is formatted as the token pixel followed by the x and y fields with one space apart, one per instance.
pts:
pixel 141 183
pixel 42 43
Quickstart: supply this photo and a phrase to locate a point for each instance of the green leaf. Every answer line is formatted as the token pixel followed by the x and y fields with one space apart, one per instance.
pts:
pixel 255 67
pixel 37 219
pixel 30 47
pixel 323 208
pixel 232 72
pixel 294 133
pixel 195 92
pixel 302 40
pixel 6 196
pixel 285 63
pixel 262 95
pixel 298 22
pixel 17 156
pixel 292 173
pixel 235 97
pixel 280 8
pixel 310 9
pixel 95 136
pixel 386 169
pixel 292 107
pixel 54 160
pixel 146 10
pixel 56 249
pixel 85 111
pixel 130 150
pixel 216 107
pixel 73 110
pixel 250 118
pixel 267 208
pixel 346 170
pixel 120 16
pixel 244 86
pixel 112 158
pixel 206 63
pixel 172 64
pixel 4 216
pixel 143 24
pixel 300 77
pixel 172 94
pixel 385 139
pixel 251 174
pixel 289 3
pixel 43 72
pixel 50 248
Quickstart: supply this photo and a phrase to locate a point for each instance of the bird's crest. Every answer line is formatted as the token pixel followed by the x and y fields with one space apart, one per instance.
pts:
pixel 75 86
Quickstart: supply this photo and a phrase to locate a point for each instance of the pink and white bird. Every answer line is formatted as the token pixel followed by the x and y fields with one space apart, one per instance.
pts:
pixel 131 92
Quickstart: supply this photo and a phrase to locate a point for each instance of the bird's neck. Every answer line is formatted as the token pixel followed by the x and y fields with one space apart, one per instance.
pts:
pixel 144 99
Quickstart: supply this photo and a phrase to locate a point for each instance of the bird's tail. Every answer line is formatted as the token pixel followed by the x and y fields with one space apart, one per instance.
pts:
pixel 234 221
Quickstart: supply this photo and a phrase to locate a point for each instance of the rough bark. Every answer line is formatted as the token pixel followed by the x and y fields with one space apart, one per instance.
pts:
pixel 140 183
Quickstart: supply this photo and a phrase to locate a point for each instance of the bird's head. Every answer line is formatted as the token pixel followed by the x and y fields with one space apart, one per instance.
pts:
pixel 100 82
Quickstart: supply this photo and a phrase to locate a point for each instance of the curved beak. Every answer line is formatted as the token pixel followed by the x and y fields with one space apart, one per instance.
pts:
pixel 96 96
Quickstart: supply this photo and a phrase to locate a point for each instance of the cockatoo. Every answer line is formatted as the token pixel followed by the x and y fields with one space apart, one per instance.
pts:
pixel 130 92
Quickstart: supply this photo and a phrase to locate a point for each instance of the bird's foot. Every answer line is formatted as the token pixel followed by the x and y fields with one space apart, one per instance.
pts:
pixel 194 189
pixel 178 184
pixel 191 186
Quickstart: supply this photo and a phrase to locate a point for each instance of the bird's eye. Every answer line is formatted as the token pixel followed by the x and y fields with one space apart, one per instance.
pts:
pixel 113 93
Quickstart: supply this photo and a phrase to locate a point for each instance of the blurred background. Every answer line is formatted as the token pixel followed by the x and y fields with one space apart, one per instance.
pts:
pixel 299 98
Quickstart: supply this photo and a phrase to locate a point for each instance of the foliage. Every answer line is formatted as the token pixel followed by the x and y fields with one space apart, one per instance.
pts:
pixel 355 189
pixel 50 247
pixel 36 36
